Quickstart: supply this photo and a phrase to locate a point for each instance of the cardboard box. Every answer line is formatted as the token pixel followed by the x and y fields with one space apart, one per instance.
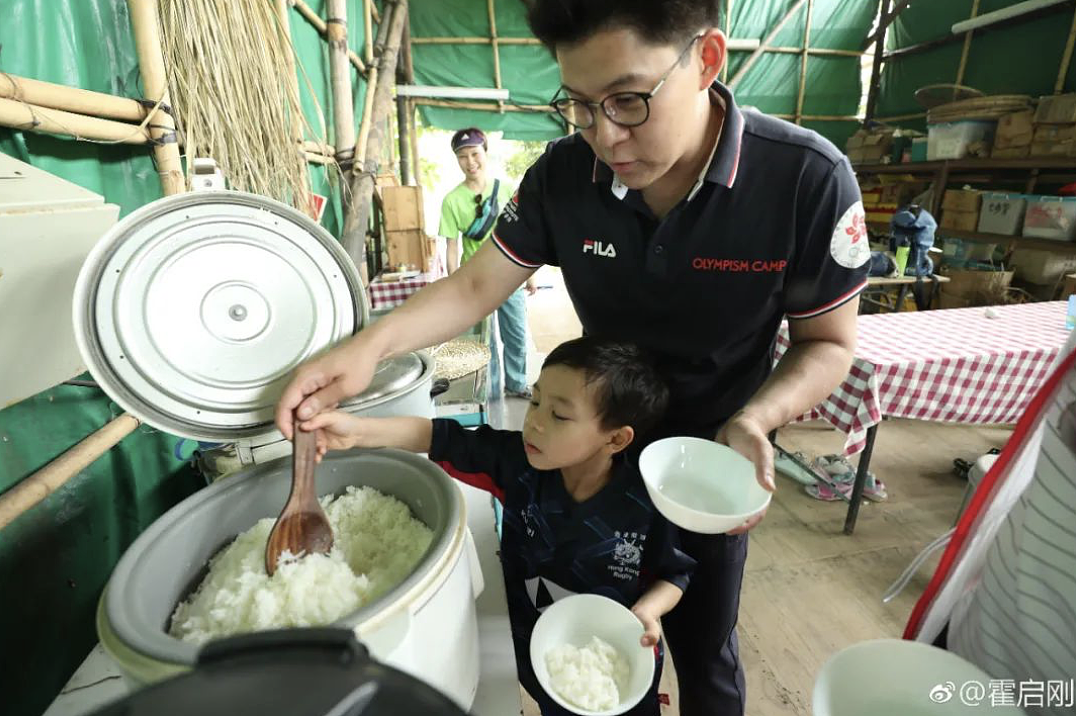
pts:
pixel 960 220
pixel 411 247
pixel 1040 267
pixel 1014 130
pixel 1068 286
pixel 1013 153
pixel 962 200
pixel 1054 140
pixel 975 288
pixel 403 208
pixel 869 147
pixel 1056 109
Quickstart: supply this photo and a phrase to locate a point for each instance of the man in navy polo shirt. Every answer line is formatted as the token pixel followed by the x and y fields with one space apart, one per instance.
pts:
pixel 682 223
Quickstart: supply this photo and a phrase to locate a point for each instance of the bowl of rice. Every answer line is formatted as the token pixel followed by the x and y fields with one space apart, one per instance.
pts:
pixel 700 485
pixel 586 654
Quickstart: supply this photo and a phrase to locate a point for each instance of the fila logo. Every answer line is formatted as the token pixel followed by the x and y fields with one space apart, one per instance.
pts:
pixel 599 249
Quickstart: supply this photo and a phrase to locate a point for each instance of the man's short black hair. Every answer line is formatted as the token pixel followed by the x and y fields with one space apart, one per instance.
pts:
pixel 659 22
pixel 629 390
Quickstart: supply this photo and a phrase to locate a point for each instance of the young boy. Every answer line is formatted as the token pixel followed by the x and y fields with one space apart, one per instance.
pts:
pixel 577 519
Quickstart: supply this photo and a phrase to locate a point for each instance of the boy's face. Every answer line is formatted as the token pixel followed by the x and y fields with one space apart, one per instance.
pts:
pixel 618 60
pixel 472 161
pixel 562 427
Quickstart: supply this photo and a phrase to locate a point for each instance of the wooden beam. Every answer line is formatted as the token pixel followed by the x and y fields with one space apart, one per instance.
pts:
pixel 1066 58
pixel 357 220
pixel 803 61
pixel 876 68
pixel 883 24
pixel 750 62
pixel 967 46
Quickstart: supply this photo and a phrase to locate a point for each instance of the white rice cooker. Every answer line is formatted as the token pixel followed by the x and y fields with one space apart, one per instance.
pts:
pixel 191 313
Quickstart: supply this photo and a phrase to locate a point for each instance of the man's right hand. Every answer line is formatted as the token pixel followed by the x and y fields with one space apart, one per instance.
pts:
pixel 322 383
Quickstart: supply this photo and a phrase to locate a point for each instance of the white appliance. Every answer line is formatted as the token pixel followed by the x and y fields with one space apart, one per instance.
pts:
pixel 47 227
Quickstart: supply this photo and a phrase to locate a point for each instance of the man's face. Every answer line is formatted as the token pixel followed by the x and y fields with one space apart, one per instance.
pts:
pixel 472 161
pixel 619 60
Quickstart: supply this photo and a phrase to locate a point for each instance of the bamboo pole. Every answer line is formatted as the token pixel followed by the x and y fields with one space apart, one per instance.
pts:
pixel 816 51
pixel 496 50
pixel 728 34
pixel 474 41
pixel 409 74
pixel 368 32
pixel 747 65
pixel 455 104
pixel 362 180
pixel 25 116
pixel 147 35
pixel 70 99
pixel 366 124
pixel 312 17
pixel 35 488
pixel 405 112
pixel 340 74
pixel 1066 58
pixel 967 46
pixel 879 53
pixel 803 62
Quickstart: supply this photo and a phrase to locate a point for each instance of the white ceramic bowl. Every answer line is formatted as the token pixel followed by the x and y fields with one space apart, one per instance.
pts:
pixel 574 620
pixel 894 677
pixel 700 485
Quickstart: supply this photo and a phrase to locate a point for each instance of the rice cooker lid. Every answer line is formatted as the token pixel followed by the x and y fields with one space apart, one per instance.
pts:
pixel 192 311
pixel 291 672
pixel 392 376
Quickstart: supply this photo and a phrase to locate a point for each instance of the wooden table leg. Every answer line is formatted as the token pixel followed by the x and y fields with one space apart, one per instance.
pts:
pixel 861 481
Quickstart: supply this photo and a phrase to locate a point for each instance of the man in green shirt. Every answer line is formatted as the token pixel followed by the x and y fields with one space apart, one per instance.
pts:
pixel 468 214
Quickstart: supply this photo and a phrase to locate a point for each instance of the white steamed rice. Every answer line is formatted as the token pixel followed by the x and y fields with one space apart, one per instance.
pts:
pixel 377 543
pixel 589 677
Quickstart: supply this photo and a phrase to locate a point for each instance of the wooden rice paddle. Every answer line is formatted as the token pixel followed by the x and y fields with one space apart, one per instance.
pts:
pixel 302 527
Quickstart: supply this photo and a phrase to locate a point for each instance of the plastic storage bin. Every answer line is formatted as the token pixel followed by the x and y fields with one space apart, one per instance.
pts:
pixel 1051 217
pixel 950 140
pixel 1002 214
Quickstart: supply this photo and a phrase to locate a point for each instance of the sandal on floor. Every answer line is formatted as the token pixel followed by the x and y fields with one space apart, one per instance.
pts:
pixel 874 490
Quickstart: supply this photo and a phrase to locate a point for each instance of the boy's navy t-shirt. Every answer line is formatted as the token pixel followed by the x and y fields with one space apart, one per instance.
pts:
pixel 615 543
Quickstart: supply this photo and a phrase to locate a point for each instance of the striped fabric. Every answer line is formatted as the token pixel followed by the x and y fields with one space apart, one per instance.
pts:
pixel 1019 623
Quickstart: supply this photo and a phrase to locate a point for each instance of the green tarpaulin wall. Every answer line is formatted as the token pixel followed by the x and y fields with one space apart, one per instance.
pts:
pixel 1023 59
pixel 55 559
pixel 528 71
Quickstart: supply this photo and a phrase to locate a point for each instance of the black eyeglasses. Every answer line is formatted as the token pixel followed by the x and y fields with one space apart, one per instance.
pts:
pixel 627 109
pixel 478 206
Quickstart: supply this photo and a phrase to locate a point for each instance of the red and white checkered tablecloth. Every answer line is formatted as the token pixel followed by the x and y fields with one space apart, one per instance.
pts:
pixel 391 294
pixel 953 365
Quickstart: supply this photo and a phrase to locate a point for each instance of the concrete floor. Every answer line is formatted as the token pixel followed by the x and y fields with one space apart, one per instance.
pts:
pixel 809 590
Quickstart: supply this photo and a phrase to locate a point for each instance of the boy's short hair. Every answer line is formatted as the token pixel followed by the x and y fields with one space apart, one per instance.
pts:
pixel 659 22
pixel 629 390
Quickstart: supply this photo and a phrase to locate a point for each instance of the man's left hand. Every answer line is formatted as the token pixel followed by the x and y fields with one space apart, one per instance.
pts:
pixel 747 437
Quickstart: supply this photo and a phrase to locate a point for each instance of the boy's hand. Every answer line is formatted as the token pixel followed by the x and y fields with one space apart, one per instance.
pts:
pixel 651 626
pixel 338 431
